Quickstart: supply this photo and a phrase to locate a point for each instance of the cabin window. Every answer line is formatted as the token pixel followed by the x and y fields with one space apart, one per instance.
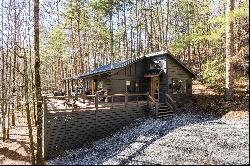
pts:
pixel 179 86
pixel 132 86
pixel 137 90
pixel 128 86
pixel 154 65
pixel 157 64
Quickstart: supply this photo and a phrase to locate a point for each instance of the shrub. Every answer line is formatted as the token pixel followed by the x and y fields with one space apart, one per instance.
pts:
pixel 214 74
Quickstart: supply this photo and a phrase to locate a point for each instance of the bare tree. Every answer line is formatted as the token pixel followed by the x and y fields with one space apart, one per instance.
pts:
pixel 229 49
pixel 39 155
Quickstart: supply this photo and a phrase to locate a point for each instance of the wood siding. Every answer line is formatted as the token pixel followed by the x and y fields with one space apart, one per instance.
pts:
pixel 116 81
pixel 134 72
pixel 175 71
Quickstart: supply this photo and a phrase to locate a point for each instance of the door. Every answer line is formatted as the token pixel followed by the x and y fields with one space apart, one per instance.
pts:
pixel 155 88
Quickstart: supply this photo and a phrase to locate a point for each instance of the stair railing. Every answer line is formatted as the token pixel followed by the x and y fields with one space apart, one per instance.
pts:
pixel 170 102
pixel 152 104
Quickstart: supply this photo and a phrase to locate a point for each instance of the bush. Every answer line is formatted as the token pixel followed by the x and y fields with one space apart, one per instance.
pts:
pixel 214 74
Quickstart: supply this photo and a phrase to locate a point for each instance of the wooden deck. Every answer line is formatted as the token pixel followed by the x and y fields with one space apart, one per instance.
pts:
pixel 74 121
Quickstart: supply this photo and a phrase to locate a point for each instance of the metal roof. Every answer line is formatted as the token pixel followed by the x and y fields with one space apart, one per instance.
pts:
pixel 121 64
pixel 110 67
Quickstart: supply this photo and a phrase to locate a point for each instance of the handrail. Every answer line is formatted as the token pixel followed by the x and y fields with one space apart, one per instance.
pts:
pixel 172 102
pixel 156 104
pixel 170 98
pixel 151 98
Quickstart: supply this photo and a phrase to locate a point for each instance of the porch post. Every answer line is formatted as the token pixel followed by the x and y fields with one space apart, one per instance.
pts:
pixel 167 75
pixel 83 87
pixel 92 87
pixel 96 84
pixel 72 85
pixel 65 86
pixel 69 88
pixel 83 90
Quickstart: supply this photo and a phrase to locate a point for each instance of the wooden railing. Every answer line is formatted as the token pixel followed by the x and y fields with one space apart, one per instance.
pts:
pixel 94 101
pixel 152 104
pixel 170 102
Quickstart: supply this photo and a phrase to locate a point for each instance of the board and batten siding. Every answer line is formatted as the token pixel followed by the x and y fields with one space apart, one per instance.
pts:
pixel 134 72
pixel 175 71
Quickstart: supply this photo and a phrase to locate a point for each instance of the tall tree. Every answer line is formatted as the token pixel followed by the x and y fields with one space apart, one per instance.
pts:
pixel 2 79
pixel 39 155
pixel 27 108
pixel 229 49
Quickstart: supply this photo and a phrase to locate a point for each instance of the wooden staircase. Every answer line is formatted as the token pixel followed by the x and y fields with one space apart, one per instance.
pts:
pixel 164 110
pixel 161 109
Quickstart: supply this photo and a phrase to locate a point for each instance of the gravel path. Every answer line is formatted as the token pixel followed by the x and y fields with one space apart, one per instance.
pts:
pixel 183 139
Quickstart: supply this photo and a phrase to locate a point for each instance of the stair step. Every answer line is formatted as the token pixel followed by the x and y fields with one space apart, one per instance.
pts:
pixel 165 113
pixel 164 110
pixel 159 116
pixel 163 106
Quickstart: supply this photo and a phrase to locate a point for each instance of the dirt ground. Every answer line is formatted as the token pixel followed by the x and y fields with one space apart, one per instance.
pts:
pixel 15 151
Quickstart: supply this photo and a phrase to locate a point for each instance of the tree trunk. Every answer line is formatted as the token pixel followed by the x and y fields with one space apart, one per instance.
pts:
pixel 3 84
pixel 111 31
pixel 27 109
pixel 39 155
pixel 229 50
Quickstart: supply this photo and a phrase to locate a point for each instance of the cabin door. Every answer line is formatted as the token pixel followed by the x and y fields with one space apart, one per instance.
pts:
pixel 155 88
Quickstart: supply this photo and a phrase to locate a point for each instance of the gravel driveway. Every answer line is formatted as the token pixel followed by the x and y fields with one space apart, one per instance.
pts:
pixel 183 139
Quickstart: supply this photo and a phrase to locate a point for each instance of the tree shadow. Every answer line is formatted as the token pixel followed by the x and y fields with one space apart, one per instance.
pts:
pixel 13 155
pixel 162 133
pixel 23 144
pixel 115 152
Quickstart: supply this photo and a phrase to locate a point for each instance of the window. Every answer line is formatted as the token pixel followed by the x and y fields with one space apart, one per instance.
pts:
pixel 137 90
pixel 128 86
pixel 158 64
pixel 179 86
pixel 132 86
pixel 154 65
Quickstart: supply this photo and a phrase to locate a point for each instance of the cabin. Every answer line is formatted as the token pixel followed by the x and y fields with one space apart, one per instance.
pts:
pixel 104 100
pixel 157 74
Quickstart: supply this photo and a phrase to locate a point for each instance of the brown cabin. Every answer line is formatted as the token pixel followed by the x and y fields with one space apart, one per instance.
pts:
pixel 157 73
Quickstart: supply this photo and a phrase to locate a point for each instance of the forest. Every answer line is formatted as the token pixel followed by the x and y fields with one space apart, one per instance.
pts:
pixel 44 41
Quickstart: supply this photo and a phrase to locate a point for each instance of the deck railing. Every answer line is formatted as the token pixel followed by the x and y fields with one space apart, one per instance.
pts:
pixel 152 104
pixel 170 102
pixel 95 101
